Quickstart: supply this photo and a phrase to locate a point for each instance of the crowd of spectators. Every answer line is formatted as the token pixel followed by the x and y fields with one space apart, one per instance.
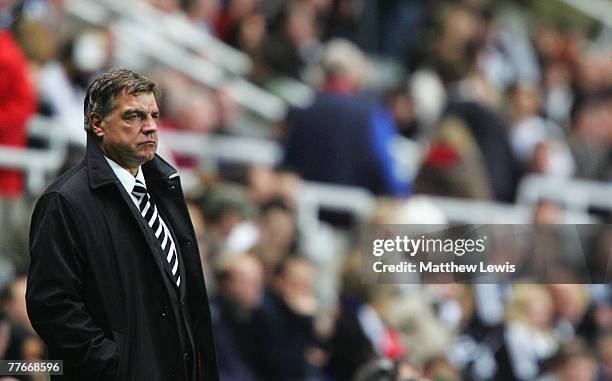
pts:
pixel 485 92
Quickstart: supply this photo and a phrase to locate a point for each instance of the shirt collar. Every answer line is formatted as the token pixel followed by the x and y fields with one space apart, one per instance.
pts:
pixel 125 177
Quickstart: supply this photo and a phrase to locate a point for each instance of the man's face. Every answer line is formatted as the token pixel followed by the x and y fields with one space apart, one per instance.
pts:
pixel 129 134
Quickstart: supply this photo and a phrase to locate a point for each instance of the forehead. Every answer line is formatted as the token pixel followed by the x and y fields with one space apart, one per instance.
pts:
pixel 140 101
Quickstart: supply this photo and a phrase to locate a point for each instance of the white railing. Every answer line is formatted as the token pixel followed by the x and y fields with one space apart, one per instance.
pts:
pixel 576 196
pixel 142 31
pixel 38 165
pixel 41 165
pixel 212 149
pixel 180 31
pixel 362 204
pixel 490 212
pixel 573 194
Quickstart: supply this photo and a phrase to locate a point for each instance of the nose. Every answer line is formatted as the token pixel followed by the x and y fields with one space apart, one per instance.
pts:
pixel 150 125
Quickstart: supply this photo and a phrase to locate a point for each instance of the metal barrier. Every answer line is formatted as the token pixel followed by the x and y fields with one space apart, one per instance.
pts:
pixel 212 149
pixel 490 212
pixel 37 165
pixel 574 194
pixel 40 165
pixel 141 28
pixel 362 204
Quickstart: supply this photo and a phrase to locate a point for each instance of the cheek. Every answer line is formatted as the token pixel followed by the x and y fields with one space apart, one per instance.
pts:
pixel 132 135
pixel 122 135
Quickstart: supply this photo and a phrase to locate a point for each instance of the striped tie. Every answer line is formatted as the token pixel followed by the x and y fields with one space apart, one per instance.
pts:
pixel 148 210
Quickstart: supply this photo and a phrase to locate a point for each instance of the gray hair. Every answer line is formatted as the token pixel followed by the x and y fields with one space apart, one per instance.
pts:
pixel 341 57
pixel 101 94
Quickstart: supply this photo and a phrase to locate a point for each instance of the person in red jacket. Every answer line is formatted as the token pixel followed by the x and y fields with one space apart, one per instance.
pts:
pixel 17 104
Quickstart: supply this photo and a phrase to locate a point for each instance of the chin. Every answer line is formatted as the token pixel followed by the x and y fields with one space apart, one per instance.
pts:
pixel 146 158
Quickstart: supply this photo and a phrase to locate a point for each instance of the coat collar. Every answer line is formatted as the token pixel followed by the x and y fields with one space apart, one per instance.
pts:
pixel 100 173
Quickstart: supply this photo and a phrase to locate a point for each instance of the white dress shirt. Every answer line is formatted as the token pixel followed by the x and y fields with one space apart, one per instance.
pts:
pixel 125 177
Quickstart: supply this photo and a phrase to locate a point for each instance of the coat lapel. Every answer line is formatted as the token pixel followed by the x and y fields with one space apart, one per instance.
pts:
pixel 162 190
pixel 101 174
pixel 152 242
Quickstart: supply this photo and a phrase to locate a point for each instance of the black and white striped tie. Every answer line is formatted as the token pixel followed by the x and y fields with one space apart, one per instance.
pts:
pixel 149 212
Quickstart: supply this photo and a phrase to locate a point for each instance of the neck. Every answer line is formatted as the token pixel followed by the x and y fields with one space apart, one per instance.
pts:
pixel 133 170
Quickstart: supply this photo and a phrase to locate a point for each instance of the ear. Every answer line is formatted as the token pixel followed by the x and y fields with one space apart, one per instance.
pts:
pixel 96 125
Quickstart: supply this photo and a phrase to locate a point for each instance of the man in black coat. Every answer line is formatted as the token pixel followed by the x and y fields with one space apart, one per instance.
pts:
pixel 115 286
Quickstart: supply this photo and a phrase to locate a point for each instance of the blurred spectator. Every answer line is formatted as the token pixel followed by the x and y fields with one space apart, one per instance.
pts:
pixel 356 21
pixel 529 338
pixel 558 95
pixel 591 136
pixel 453 52
pixel 537 142
pixel 225 210
pixel 202 13
pixel 350 348
pixel 265 184
pixel 187 106
pixel 479 148
pixel 503 47
pixel 241 284
pixel 402 29
pixel 604 349
pixel 401 106
pixel 470 155
pixel 415 315
pixel 572 315
pixel 593 73
pixel 17 341
pixel 62 82
pixel 262 184
pixel 196 111
pixel 284 327
pixel 230 16
pixel 277 234
pixel 572 363
pixel 478 336
pixel 17 100
pixel 453 165
pixel 343 138
pixel 294 40
pixel 250 37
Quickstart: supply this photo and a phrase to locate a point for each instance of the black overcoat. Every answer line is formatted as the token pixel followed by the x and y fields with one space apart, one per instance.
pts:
pixel 97 293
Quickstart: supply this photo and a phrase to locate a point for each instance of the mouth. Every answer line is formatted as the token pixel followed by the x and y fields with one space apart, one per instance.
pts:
pixel 148 142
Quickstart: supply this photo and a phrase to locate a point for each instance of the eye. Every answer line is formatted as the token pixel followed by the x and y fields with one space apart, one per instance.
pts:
pixel 130 117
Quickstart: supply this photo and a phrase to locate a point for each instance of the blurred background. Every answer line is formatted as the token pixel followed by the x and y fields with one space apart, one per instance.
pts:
pixel 296 125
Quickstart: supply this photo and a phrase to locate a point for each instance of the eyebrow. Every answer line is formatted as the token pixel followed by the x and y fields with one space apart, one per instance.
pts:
pixel 139 112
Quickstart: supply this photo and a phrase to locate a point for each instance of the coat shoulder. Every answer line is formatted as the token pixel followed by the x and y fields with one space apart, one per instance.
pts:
pixel 71 184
